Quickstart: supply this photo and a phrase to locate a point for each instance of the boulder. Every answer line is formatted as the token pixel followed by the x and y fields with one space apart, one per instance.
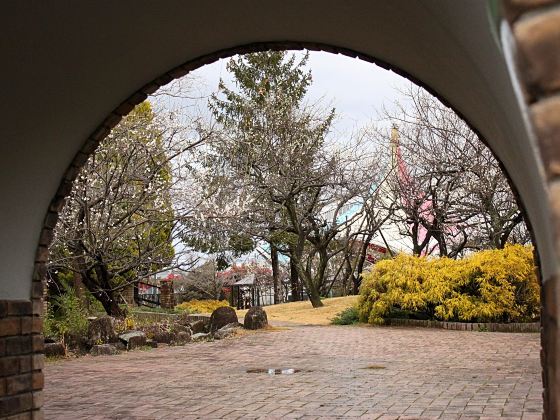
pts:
pixel 201 326
pixel 224 333
pixel 255 318
pixel 222 316
pixel 177 328
pixel 103 350
pixel 133 339
pixel 101 330
pixel 232 325
pixel 227 330
pixel 55 350
pixel 200 336
pixel 182 338
pixel 221 334
pixel 120 346
pixel 151 343
pixel 164 336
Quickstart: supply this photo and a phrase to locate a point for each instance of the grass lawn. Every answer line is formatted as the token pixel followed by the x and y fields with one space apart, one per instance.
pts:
pixel 304 313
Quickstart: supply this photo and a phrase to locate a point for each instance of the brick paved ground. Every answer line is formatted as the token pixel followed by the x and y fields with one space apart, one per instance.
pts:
pixel 351 372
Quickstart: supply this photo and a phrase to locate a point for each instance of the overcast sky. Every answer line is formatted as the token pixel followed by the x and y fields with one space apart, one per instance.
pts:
pixel 356 89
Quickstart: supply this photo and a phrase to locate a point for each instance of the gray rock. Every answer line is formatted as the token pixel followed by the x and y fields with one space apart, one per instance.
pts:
pixel 177 328
pixel 201 326
pixel 164 337
pixel 183 338
pixel 222 316
pixel 151 343
pixel 227 330
pixel 200 336
pixel 103 350
pixel 255 318
pixel 232 325
pixel 101 330
pixel 133 339
pixel 223 333
pixel 55 350
pixel 120 346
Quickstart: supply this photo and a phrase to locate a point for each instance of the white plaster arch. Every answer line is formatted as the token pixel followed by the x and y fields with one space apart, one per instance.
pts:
pixel 68 65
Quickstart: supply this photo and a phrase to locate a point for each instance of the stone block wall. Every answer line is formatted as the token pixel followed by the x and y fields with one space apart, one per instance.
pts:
pixel 535 25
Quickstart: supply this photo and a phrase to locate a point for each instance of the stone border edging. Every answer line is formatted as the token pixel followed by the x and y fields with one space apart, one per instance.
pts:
pixel 515 327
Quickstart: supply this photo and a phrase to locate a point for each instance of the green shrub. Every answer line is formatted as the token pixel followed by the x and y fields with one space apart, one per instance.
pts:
pixel 487 286
pixel 348 316
pixel 66 318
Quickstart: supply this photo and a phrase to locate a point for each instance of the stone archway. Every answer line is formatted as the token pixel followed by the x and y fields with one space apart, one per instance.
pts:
pixel 21 322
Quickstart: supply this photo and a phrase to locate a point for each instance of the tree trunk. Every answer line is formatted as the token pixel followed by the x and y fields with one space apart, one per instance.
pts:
pixel 275 273
pixel 110 303
pixel 357 273
pixel 294 281
pixel 79 289
pixel 314 297
pixel 104 295
pixel 356 281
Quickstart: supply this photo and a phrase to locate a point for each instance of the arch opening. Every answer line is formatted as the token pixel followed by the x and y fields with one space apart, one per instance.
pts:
pixel 121 110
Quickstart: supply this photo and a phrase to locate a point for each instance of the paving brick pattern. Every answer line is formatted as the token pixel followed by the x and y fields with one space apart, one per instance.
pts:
pixel 374 373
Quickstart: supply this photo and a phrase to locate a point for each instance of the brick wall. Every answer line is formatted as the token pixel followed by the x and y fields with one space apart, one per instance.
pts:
pixel 21 360
pixel 535 25
pixel 167 295
pixel 128 295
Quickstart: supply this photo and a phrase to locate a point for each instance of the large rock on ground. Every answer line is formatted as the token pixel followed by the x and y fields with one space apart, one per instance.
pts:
pixel 222 316
pixel 200 337
pixel 103 350
pixel 177 328
pixel 255 318
pixel 133 339
pixel 102 330
pixel 151 343
pixel 164 336
pixel 182 338
pixel 232 325
pixel 55 350
pixel 200 326
pixel 227 330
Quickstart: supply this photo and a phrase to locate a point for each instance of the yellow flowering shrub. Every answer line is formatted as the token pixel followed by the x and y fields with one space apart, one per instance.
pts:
pixel 487 286
pixel 196 306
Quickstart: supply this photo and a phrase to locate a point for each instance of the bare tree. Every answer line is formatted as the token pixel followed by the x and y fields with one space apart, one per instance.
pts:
pixel 447 187
pixel 119 223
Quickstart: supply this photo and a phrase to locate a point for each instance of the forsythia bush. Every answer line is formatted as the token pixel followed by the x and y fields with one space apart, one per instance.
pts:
pixel 196 306
pixel 488 286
